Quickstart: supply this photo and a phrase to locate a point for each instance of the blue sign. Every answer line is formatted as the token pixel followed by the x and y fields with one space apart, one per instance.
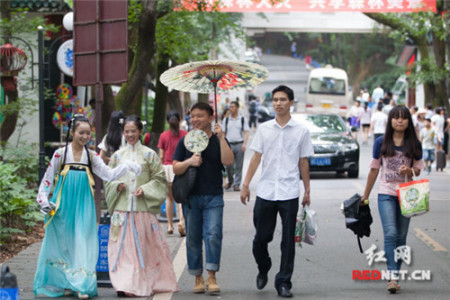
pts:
pixel 103 236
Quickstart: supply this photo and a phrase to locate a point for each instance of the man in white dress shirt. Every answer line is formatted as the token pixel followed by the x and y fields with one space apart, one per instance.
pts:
pixel 284 146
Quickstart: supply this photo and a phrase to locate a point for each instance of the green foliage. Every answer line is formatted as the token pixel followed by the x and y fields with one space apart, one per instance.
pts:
pixel 18 177
pixel 190 35
pixel 151 106
pixel 21 22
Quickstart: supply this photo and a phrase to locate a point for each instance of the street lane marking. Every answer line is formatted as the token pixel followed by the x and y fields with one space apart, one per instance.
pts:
pixel 429 241
pixel 179 263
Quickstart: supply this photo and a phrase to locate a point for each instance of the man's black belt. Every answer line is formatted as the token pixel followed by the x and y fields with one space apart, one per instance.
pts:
pixel 236 143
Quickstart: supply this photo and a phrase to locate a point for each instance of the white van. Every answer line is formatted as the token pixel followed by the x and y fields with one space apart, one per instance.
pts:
pixel 328 91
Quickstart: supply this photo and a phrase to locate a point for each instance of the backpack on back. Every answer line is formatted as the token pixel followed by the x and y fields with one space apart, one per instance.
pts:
pixel 252 108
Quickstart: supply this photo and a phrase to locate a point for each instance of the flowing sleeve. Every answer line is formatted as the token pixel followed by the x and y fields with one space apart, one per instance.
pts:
pixel 156 189
pixel 111 194
pixel 47 181
pixel 106 173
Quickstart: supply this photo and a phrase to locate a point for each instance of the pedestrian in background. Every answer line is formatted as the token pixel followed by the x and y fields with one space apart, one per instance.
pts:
pixel 387 108
pixel 204 211
pixel 427 138
pixel 438 122
pixel 377 94
pixel 236 132
pixel 113 139
pixel 364 119
pixel 285 146
pixel 139 257
pixel 294 49
pixel 378 122
pixel 69 252
pixel 253 107
pixel 397 153
pixel 353 118
pixel 167 144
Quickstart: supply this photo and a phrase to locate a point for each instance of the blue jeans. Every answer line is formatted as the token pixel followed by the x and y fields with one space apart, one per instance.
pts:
pixel 203 217
pixel 395 228
pixel 428 155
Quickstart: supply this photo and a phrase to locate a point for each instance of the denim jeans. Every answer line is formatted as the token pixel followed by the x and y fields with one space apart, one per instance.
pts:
pixel 395 228
pixel 234 172
pixel 203 217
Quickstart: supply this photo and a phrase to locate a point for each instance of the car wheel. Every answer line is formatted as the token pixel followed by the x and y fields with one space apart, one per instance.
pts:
pixel 353 173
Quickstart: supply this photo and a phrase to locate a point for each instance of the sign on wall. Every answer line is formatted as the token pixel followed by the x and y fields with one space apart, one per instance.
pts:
pixel 368 6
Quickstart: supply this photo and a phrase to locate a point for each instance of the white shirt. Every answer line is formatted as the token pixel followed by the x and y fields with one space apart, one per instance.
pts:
pixel 379 121
pixel 438 123
pixel 234 130
pixel 104 145
pixel 281 149
pixel 377 94
pixel 427 137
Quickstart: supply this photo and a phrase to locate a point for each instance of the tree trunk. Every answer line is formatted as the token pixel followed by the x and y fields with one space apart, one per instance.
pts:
pixel 9 122
pixel 129 98
pixel 159 109
pixel 175 102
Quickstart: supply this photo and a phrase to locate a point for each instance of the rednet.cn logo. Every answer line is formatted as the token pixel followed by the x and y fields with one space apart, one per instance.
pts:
pixel 400 253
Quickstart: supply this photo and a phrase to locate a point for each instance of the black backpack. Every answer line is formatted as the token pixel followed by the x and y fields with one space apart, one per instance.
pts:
pixel 357 218
pixel 252 108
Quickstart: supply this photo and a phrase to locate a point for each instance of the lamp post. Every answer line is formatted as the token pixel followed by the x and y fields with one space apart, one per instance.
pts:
pixel 41 102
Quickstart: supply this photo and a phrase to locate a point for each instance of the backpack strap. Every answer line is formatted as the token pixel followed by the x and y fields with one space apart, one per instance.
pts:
pixel 226 124
pixel 242 124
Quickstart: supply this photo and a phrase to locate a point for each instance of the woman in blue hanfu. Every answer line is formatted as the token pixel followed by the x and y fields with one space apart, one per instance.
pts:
pixel 69 253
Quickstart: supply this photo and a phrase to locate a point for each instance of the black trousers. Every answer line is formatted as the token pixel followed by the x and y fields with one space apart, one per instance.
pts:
pixel 265 219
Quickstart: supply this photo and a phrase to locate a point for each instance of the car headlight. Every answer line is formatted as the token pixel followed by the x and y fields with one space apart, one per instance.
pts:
pixel 349 147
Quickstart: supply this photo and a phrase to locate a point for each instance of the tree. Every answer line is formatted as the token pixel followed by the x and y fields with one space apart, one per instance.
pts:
pixel 429 32
pixel 18 107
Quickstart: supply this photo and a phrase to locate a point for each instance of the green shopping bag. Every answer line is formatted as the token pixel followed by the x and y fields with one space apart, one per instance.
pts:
pixel 413 197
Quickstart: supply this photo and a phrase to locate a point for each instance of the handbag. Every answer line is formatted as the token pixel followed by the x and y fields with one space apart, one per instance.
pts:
pixel 183 184
pixel 413 197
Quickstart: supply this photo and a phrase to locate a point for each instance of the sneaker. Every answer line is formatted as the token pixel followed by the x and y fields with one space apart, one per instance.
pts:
pixel 199 285
pixel 82 296
pixel 211 286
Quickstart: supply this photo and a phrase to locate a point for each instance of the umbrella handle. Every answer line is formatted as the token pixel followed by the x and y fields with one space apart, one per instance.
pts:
pixel 215 100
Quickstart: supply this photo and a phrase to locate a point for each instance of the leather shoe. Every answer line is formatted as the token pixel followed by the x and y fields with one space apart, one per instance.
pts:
pixel 261 281
pixel 284 292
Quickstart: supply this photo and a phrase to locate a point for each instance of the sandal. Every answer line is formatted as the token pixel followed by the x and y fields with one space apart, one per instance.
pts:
pixel 393 286
pixel 181 230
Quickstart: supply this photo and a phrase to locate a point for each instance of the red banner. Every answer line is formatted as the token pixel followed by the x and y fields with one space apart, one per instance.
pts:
pixel 368 6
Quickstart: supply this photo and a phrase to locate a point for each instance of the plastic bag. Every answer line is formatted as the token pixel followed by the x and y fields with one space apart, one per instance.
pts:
pixel 306 227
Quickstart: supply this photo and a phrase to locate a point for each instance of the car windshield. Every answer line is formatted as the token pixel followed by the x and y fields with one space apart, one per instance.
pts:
pixel 322 123
pixel 327 85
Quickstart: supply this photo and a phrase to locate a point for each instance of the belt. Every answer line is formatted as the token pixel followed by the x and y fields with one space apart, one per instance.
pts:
pixel 236 143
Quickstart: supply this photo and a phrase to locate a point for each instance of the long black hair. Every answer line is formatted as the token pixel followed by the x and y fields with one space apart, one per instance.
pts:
pixel 411 145
pixel 114 133
pixel 73 124
pixel 173 118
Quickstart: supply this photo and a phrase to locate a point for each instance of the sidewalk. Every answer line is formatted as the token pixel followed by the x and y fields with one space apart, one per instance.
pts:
pixel 23 265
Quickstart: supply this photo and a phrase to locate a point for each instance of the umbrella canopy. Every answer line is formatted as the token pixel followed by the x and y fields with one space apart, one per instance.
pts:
pixel 214 75
pixel 357 218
